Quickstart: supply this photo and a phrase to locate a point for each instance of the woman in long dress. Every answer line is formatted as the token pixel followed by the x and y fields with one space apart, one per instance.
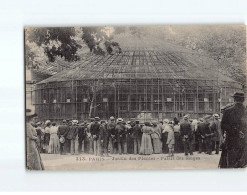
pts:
pixel 34 161
pixel 146 143
pixel 156 138
pixel 54 145
pixel 46 137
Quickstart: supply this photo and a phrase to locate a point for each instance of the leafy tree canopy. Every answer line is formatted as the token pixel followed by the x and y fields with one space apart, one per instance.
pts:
pixel 224 43
pixel 64 42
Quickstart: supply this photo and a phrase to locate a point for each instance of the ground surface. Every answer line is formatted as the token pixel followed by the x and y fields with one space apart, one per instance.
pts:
pixel 130 161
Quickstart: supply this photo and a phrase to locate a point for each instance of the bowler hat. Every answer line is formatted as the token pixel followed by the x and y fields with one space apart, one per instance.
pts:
pixel 48 121
pixel 96 118
pixel 186 117
pixel 238 94
pixel 102 121
pixel 112 118
pixel 216 116
pixel 119 120
pixel 75 121
pixel 147 123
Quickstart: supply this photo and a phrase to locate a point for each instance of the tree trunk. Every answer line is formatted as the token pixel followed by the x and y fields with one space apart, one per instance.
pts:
pixel 91 106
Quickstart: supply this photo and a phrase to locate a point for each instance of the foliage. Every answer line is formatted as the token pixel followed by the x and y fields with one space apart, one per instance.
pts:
pixel 56 42
pixel 224 43
pixel 94 36
pixel 34 55
pixel 68 42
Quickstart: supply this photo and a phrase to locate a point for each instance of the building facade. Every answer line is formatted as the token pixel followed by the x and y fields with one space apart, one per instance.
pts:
pixel 136 83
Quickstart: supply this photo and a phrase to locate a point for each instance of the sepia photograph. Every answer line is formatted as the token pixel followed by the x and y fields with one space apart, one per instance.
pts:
pixel 135 97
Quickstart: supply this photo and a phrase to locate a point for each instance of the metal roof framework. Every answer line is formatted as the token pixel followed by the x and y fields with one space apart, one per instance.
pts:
pixel 143 63
pixel 150 75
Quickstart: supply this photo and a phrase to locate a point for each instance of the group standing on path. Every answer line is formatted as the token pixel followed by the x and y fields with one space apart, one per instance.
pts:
pixel 103 138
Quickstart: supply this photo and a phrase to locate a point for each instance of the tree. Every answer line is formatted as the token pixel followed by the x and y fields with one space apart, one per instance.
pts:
pixel 94 36
pixel 34 55
pixel 225 44
pixel 91 90
pixel 64 42
pixel 55 41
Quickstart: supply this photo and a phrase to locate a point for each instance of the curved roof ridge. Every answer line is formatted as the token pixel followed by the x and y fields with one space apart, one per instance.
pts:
pixel 143 63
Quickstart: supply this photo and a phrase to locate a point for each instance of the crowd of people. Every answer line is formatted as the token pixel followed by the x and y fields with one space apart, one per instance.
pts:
pixel 116 136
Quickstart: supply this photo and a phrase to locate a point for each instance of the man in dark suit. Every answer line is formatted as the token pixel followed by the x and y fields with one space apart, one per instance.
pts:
pixel 104 139
pixel 201 135
pixel 94 129
pixel 186 134
pixel 72 136
pixel 217 137
pixel 81 137
pixel 136 134
pixel 232 125
pixel 111 128
pixel 121 136
pixel 62 133
pixel 208 137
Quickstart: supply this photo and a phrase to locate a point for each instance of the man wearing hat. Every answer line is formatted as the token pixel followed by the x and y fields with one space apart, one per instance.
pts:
pixel 94 129
pixel 186 134
pixel 73 137
pixel 88 142
pixel 208 137
pixel 111 128
pixel 81 136
pixel 201 135
pixel 130 143
pixel 216 130
pixel 104 138
pixel 121 136
pixel 137 136
pixel 62 133
pixel 232 126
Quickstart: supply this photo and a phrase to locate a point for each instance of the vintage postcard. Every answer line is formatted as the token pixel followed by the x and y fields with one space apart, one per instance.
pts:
pixel 135 97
